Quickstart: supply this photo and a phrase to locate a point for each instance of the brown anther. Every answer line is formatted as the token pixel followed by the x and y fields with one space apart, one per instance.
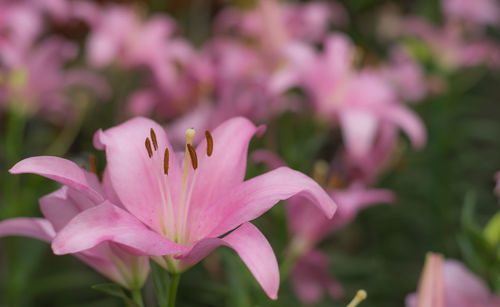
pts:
pixel 148 147
pixel 153 138
pixel 93 164
pixel 165 161
pixel 192 154
pixel 210 143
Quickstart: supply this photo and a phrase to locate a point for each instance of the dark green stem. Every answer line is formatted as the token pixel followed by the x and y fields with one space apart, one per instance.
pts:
pixel 137 297
pixel 172 293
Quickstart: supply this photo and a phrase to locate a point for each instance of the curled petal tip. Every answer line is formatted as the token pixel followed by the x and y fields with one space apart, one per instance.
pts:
pixel 261 129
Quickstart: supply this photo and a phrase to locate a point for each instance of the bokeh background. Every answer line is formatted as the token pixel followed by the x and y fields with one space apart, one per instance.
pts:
pixel 445 190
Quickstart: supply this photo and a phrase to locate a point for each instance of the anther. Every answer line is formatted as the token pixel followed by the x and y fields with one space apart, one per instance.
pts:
pixel 192 154
pixel 153 138
pixel 165 161
pixel 148 147
pixel 210 143
pixel 93 164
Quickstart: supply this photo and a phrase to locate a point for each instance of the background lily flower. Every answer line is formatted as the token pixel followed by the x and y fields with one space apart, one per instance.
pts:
pixel 447 283
pixel 479 12
pixel 307 226
pixel 360 101
pixel 81 191
pixel 37 80
pixel 179 211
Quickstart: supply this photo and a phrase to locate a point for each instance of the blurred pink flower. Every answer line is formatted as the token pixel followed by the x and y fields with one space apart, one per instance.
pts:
pixel 406 75
pixel 360 101
pixel 175 212
pixel 81 191
pixel 307 226
pixel 310 278
pixel 118 35
pixel 450 284
pixel 37 79
pixel 20 24
pixel 477 12
pixel 281 21
pixel 450 46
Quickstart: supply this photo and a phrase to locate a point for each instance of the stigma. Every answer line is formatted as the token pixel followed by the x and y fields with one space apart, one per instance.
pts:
pixel 360 296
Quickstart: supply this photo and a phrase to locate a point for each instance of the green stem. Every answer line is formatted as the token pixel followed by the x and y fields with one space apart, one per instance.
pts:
pixel 14 140
pixel 287 265
pixel 66 138
pixel 137 297
pixel 172 293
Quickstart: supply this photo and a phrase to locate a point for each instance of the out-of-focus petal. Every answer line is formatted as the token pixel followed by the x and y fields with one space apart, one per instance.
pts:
pixel 29 227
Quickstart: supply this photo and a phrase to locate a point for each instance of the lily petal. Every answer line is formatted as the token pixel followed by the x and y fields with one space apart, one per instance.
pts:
pixel 61 170
pixel 409 122
pixel 128 159
pixel 107 222
pixel 253 197
pixel 226 165
pixel 252 247
pixel 29 227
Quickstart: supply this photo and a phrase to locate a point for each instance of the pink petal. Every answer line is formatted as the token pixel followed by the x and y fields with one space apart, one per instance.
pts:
pixel 61 170
pixel 464 289
pixel 252 247
pixel 355 199
pixel 252 198
pixel 29 227
pixel 59 208
pixel 268 157
pixel 431 285
pixel 226 167
pixel 409 122
pixel 359 129
pixel 107 222
pixel 310 278
pixel 137 179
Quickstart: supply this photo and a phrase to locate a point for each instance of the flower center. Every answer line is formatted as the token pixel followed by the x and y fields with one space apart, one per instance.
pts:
pixel 174 224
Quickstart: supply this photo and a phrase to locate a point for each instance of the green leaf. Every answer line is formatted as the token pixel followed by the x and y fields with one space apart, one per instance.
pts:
pixel 115 290
pixel 161 280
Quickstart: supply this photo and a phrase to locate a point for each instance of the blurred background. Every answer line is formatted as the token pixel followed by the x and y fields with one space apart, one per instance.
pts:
pixel 397 96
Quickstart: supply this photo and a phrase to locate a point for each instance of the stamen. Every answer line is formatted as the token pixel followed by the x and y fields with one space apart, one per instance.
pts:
pixel 360 296
pixel 93 164
pixel 165 161
pixel 148 147
pixel 192 154
pixel 210 143
pixel 153 138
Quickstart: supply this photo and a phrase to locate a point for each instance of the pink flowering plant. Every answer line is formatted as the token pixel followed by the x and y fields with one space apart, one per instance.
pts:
pixel 270 152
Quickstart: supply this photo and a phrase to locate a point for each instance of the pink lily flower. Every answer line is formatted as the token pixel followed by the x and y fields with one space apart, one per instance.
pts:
pixel 448 283
pixel 449 44
pixel 360 101
pixel 60 207
pixel 479 12
pixel 307 226
pixel 310 278
pixel 118 35
pixel 307 22
pixel 177 212
pixel 37 80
